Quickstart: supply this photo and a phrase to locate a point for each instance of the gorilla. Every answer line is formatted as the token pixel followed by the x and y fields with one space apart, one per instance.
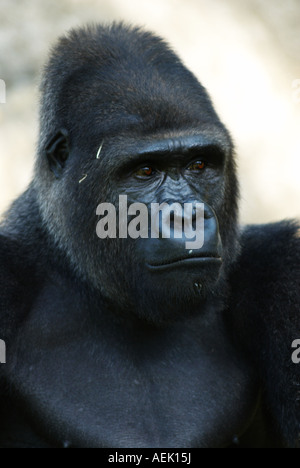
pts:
pixel 137 341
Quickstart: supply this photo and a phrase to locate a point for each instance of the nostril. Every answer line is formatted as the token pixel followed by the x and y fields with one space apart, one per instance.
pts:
pixel 208 212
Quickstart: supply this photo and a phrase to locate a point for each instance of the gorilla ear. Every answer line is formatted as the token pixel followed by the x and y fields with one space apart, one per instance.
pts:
pixel 57 152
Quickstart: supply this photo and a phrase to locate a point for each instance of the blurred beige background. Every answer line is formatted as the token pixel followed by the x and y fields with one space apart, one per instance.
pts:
pixel 246 53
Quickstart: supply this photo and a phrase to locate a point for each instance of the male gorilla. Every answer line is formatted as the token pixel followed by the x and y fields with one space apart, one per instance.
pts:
pixel 140 342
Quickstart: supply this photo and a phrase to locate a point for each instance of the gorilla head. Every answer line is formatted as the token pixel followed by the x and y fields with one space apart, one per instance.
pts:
pixel 121 115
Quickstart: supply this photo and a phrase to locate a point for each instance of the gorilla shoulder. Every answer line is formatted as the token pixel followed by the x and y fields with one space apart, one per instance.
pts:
pixel 17 284
pixel 264 313
pixel 21 246
pixel 269 265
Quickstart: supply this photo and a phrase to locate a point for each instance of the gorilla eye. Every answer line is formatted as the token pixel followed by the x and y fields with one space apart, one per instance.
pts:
pixel 197 166
pixel 146 171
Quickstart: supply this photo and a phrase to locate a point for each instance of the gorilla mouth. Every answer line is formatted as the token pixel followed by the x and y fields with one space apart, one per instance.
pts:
pixel 190 260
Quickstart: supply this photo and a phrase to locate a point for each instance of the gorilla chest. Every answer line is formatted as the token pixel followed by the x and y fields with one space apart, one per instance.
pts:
pixel 80 391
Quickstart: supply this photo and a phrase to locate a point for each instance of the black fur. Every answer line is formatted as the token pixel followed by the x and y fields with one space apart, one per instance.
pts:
pixel 264 308
pixel 101 351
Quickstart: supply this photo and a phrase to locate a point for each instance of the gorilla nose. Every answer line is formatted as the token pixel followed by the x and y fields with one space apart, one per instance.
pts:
pixel 192 225
pixel 212 239
pixel 185 236
pixel 208 212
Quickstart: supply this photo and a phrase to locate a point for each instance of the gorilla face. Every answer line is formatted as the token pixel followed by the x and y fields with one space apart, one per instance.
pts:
pixel 130 119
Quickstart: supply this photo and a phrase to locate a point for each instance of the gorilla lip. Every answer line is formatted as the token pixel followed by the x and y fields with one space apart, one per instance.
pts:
pixel 184 261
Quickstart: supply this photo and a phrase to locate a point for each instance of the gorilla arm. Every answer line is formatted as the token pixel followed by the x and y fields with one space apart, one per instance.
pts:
pixel 265 315
pixel 16 286
pixel 20 249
